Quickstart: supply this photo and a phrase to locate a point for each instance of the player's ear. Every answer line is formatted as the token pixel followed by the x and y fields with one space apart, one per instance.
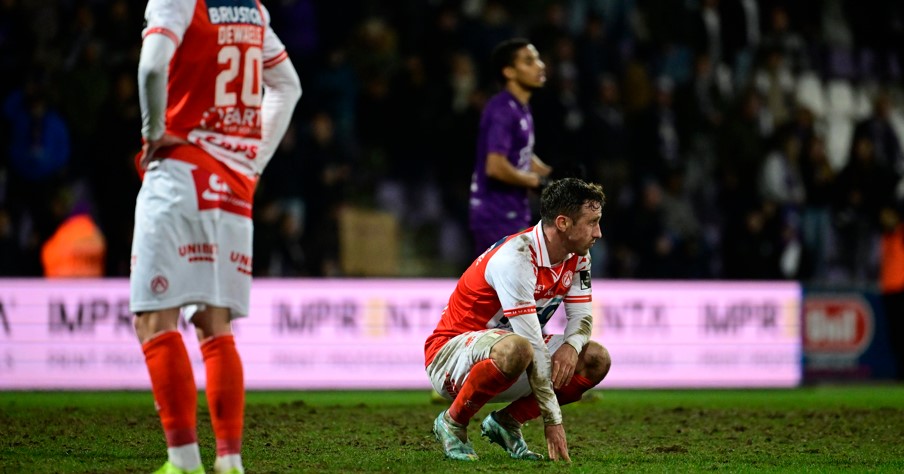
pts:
pixel 509 72
pixel 562 223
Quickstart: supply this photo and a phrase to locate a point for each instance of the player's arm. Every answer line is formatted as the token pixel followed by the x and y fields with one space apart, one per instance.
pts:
pixel 499 144
pixel 282 89
pixel 500 168
pixel 513 278
pixel 166 22
pixel 578 326
pixel 540 167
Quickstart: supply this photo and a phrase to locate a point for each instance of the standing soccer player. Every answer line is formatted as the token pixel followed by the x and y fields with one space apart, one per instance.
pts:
pixel 209 130
pixel 489 345
pixel 506 168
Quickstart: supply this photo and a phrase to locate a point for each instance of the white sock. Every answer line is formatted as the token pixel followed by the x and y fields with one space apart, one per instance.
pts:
pixel 227 462
pixel 187 456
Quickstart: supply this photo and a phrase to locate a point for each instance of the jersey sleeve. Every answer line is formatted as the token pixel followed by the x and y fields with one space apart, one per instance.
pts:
pixel 499 134
pixel 274 49
pixel 513 276
pixel 169 18
pixel 578 306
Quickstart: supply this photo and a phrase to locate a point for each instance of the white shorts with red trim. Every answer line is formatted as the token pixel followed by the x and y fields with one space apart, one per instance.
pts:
pixel 192 242
pixel 453 363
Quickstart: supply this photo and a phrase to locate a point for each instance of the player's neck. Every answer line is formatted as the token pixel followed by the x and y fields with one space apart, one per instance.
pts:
pixel 554 247
pixel 520 93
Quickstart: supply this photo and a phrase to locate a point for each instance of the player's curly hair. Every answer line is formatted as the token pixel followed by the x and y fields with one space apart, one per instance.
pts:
pixel 504 55
pixel 566 197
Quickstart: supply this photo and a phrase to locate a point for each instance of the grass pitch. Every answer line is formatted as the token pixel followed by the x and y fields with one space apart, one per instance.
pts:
pixel 818 429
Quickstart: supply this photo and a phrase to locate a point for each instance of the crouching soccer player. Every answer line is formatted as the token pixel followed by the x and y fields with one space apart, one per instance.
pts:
pixel 489 344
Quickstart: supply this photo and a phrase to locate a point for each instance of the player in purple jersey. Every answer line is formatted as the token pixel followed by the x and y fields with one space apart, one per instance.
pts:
pixel 507 168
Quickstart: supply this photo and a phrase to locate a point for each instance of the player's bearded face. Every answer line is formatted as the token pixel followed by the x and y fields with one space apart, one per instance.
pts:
pixel 585 229
pixel 530 71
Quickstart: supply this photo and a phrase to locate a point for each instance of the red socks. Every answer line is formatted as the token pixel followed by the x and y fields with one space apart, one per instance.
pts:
pixel 225 392
pixel 484 382
pixel 174 387
pixel 527 408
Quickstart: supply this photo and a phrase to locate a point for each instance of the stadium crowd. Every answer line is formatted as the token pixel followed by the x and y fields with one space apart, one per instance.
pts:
pixel 736 139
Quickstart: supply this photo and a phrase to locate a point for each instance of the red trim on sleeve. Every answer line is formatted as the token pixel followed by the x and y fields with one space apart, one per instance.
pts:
pixel 510 313
pixel 163 31
pixel 578 299
pixel 276 59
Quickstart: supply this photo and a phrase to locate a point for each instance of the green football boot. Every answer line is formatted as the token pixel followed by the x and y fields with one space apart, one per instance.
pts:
pixel 510 439
pixel 453 446
pixel 170 468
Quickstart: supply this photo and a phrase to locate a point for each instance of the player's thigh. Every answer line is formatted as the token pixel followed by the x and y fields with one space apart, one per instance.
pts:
pixel 452 364
pixel 212 321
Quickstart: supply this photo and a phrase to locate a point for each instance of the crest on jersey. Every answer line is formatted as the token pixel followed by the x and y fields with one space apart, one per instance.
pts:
pixel 566 278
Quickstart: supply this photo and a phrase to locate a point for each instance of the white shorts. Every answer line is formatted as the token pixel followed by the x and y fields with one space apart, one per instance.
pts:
pixel 192 242
pixel 452 364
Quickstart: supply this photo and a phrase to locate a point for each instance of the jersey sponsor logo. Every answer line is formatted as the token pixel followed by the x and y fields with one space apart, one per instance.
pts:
pixel 233 11
pixel 159 284
pixel 213 193
pixel 233 120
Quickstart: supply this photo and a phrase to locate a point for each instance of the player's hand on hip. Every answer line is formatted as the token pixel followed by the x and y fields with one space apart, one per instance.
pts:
pixel 564 360
pixel 150 147
pixel 556 444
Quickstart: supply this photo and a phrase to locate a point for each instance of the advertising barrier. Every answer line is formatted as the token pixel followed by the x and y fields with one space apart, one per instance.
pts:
pixel 369 334
pixel 845 336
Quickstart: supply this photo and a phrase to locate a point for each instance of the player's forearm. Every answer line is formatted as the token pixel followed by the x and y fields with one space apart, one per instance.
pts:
pixel 156 52
pixel 283 89
pixel 539 166
pixel 579 325
pixel 499 168
pixel 539 373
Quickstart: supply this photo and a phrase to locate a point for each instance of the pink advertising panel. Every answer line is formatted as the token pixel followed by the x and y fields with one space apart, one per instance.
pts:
pixel 334 334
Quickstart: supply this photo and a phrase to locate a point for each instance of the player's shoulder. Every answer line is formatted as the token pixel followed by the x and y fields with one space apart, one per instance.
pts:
pixel 516 252
pixel 501 103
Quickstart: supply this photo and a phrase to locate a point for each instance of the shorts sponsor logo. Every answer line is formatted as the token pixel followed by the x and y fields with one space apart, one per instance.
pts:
pixel 159 284
pixel 199 252
pixel 243 262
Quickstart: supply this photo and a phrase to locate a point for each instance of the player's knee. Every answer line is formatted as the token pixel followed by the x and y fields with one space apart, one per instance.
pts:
pixel 149 324
pixel 596 361
pixel 512 355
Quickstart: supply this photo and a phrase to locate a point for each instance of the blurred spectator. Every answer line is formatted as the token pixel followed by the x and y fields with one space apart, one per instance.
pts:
pixel 816 220
pixel 75 250
pixel 879 128
pixel 401 85
pixel 863 187
pixel 891 282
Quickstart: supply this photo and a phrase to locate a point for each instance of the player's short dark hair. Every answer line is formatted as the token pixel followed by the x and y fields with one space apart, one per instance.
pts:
pixel 504 55
pixel 567 196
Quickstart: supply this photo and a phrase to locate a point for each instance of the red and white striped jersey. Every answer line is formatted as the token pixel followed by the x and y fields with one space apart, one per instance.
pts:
pixel 514 278
pixel 215 86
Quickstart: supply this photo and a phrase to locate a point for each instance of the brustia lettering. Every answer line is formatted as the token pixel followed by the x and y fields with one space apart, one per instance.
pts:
pixel 219 15
pixel 730 319
pixel 311 316
pixel 4 320
pixel 637 316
